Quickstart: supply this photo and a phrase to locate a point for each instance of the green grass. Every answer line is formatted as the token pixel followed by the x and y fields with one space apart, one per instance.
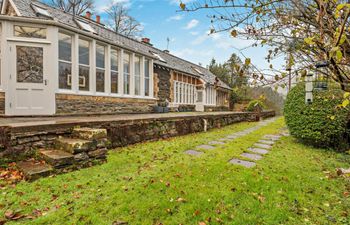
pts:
pixel 155 183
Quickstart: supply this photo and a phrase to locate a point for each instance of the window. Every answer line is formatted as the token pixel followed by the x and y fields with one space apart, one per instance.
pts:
pixel 65 61
pixel 158 57
pixel 114 70
pixel 126 66
pixel 183 89
pixel 210 96
pixel 84 65
pixel 100 68
pixel 30 32
pixel 41 11
pixel 197 70
pixel 147 77
pixel 137 63
pixel 85 26
pixel 30 64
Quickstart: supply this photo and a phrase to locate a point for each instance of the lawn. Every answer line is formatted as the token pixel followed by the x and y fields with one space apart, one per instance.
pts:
pixel 155 183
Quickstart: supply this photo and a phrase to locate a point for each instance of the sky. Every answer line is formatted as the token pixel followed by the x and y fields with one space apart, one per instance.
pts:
pixel 188 33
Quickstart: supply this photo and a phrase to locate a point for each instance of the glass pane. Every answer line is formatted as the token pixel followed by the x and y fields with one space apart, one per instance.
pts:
pixel 114 82
pixel 65 75
pixel 137 66
pixel 126 63
pixel 137 85
pixel 84 78
pixel 146 68
pixel 100 56
pixel 84 52
pixel 30 64
pixel 100 80
pixel 147 87
pixel 30 32
pixel 126 84
pixel 114 60
pixel 65 47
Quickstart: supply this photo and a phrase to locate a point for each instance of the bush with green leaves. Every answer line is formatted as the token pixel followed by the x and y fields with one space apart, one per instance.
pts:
pixel 323 123
pixel 254 104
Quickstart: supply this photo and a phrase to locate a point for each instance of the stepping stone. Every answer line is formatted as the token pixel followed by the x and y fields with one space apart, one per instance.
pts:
pixel 262 146
pixel 272 137
pixel 244 163
pixel 57 158
pixel 216 143
pixel 254 157
pixel 258 151
pixel 193 152
pixel 34 170
pixel 206 147
pixel 231 137
pixel 224 139
pixel 266 142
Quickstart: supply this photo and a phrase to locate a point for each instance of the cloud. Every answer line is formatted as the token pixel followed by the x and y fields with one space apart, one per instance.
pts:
pixel 192 24
pixel 176 17
pixel 194 33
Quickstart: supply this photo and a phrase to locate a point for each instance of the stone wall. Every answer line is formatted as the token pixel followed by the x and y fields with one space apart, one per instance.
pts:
pixel 21 142
pixel 216 108
pixel 80 105
pixel 2 103
pixel 164 84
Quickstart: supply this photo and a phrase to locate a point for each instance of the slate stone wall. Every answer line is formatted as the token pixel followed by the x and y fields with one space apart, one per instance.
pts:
pixel 21 142
pixel 2 103
pixel 81 105
pixel 216 108
pixel 164 84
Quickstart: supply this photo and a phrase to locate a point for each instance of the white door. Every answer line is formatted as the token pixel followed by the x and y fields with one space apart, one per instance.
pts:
pixel 200 101
pixel 29 89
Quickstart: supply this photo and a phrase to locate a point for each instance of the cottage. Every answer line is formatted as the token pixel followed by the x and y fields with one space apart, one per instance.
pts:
pixel 54 63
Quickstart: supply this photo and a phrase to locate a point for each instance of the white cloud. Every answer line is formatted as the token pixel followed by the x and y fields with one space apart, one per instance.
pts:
pixel 192 24
pixel 176 17
pixel 103 5
pixel 194 33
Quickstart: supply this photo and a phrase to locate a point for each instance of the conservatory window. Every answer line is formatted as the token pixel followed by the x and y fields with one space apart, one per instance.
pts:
pixel 147 77
pixel 30 32
pixel 100 68
pixel 126 65
pixel 65 61
pixel 114 71
pixel 84 65
pixel 137 66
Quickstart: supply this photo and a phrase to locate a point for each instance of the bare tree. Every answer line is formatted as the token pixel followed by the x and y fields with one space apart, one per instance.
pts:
pixel 121 22
pixel 304 31
pixel 76 7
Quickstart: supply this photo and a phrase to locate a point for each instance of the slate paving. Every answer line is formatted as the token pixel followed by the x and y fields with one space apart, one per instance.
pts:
pixel 258 151
pixel 251 156
pixel 264 146
pixel 216 143
pixel 193 152
pixel 244 163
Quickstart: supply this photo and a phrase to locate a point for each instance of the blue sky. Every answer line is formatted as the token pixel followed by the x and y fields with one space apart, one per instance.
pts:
pixel 188 32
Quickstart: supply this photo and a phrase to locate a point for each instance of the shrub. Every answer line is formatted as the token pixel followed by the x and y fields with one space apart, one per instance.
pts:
pixel 254 104
pixel 322 123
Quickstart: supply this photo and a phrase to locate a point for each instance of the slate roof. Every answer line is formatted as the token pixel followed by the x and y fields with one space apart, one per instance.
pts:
pixel 172 62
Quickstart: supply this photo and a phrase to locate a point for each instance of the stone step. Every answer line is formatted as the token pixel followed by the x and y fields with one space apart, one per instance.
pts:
pixel 244 163
pixel 264 146
pixel 57 158
pixel 75 146
pixel 89 133
pixel 33 170
pixel 258 151
pixel 251 156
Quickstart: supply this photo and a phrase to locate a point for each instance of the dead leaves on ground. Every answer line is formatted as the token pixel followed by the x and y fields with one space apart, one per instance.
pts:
pixel 11 175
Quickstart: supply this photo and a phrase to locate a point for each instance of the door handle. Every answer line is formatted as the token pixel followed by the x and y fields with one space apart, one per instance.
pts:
pixel 45 82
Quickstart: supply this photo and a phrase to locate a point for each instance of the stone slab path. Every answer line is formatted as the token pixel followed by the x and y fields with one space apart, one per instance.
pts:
pixel 258 151
pixel 215 143
pixel 244 163
pixel 252 156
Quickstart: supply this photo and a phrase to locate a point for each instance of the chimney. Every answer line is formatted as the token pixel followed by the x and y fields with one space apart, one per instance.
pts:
pixel 166 51
pixel 146 41
pixel 88 15
pixel 98 19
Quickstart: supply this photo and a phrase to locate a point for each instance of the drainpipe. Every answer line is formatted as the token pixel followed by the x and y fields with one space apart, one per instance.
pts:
pixel 205 128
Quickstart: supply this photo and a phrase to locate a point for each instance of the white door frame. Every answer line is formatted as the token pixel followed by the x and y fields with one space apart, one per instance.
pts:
pixel 200 104
pixel 46 98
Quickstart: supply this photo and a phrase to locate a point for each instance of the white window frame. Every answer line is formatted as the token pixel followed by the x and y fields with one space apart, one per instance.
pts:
pixel 67 62
pixel 99 68
pixel 138 75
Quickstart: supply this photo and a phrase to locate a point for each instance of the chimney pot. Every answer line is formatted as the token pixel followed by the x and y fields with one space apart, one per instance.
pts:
pixel 146 40
pixel 88 15
pixel 98 19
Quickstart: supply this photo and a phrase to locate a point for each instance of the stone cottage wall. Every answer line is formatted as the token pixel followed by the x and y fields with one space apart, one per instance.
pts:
pixel 164 84
pixel 2 103
pixel 79 105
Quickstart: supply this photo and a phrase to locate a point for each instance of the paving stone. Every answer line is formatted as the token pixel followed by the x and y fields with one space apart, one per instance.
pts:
pixel 267 142
pixel 34 170
pixel 258 151
pixel 265 146
pixel 224 139
pixel 206 147
pixel 216 143
pixel 57 158
pixel 193 152
pixel 254 157
pixel 244 163
pixel 272 137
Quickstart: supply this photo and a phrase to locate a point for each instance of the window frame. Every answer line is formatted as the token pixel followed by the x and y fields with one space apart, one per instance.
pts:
pixel 101 68
pixel 69 79
pixel 86 66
